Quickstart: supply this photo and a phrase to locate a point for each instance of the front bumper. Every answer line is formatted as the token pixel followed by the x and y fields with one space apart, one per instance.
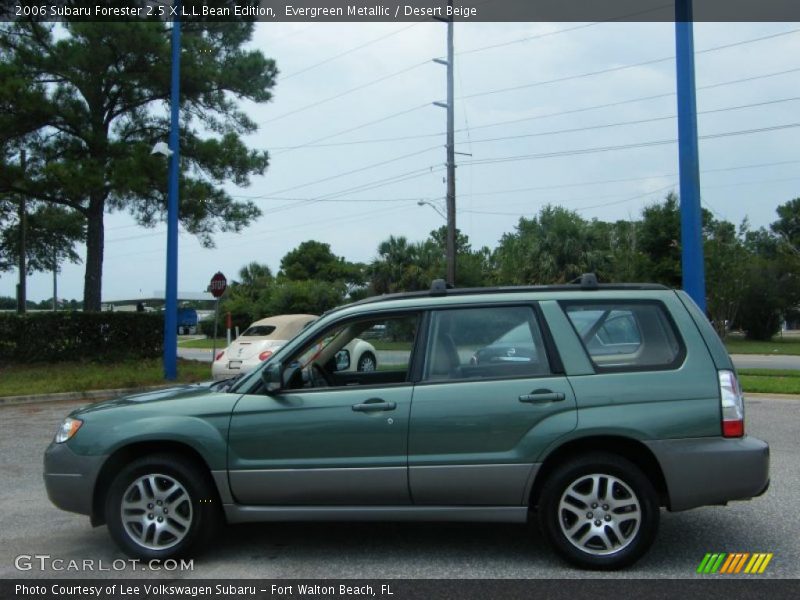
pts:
pixel 704 471
pixel 70 478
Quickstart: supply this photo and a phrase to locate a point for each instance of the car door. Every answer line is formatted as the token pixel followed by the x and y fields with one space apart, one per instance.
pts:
pixel 337 444
pixel 478 425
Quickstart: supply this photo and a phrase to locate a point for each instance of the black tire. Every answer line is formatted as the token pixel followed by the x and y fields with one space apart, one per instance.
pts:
pixel 630 487
pixel 200 502
pixel 364 359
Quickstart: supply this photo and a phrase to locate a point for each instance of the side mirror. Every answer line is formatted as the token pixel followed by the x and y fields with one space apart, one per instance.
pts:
pixel 342 360
pixel 271 375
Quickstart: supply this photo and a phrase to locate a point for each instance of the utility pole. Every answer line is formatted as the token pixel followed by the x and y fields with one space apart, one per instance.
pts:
pixel 23 227
pixel 451 150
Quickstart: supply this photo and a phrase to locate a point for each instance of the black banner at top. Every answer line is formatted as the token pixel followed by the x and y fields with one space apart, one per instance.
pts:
pixel 403 10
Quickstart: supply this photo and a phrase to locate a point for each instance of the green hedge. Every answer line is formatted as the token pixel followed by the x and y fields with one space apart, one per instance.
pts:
pixel 70 336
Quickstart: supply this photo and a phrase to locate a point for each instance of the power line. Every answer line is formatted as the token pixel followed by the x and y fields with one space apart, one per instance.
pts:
pixel 628 179
pixel 616 195
pixel 346 52
pixel 535 117
pixel 559 31
pixel 525 189
pixel 537 188
pixel 262 233
pixel 621 67
pixel 503 90
pixel 596 149
pixel 347 92
pixel 578 209
pixel 354 128
pixel 634 122
pixel 345 173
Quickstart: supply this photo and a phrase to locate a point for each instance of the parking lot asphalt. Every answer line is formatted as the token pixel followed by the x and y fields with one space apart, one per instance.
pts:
pixel 32 526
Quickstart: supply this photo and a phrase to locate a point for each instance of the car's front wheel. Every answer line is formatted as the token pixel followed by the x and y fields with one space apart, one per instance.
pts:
pixel 161 506
pixel 599 511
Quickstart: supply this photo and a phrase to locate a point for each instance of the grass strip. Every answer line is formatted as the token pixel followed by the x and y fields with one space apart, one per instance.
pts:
pixel 770 381
pixel 21 380
pixel 785 345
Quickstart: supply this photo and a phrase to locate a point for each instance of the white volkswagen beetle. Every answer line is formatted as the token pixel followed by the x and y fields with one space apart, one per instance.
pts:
pixel 264 337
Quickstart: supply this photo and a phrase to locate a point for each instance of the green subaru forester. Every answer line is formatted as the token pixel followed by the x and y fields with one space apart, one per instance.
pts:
pixel 586 407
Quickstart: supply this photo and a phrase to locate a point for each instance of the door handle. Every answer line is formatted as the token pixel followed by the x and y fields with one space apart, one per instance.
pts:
pixel 540 396
pixel 374 404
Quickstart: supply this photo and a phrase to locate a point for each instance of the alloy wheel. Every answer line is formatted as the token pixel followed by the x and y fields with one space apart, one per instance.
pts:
pixel 156 511
pixel 599 514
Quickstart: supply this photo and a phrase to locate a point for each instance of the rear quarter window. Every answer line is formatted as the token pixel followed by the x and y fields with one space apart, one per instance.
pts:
pixel 626 336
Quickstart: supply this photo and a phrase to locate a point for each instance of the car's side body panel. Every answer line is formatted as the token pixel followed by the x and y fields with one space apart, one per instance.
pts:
pixel 312 447
pixel 475 442
pixel 194 416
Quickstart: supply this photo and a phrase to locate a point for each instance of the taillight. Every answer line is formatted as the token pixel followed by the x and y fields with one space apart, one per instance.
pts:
pixel 220 355
pixel 730 396
pixel 264 355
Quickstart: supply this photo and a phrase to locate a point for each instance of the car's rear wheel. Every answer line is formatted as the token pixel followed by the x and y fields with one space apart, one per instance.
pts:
pixel 161 506
pixel 367 362
pixel 599 511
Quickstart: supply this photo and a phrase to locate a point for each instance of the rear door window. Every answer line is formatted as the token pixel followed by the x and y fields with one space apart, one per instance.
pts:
pixel 630 336
pixel 490 342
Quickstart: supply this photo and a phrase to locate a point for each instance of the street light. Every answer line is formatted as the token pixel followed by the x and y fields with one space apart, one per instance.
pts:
pixel 433 206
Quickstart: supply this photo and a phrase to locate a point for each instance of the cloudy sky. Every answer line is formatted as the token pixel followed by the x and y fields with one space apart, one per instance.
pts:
pixel 356 144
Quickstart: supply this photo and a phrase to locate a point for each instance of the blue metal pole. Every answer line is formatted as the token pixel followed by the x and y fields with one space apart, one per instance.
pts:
pixel 171 300
pixel 689 158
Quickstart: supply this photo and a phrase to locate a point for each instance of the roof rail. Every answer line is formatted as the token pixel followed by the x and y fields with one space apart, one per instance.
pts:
pixel 588 281
pixel 439 287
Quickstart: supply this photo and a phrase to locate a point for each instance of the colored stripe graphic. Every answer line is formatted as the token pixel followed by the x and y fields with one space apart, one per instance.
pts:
pixel 732 563
pixel 704 562
pixel 740 564
pixel 764 564
pixel 727 565
pixel 717 564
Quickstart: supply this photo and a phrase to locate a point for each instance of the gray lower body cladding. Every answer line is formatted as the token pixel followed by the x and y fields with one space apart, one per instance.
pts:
pixel 236 513
pixel 704 471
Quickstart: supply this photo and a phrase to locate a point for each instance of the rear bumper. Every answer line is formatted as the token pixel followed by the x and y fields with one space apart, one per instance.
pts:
pixel 220 369
pixel 70 478
pixel 703 471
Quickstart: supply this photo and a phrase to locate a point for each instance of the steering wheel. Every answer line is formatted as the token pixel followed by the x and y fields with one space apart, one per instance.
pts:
pixel 318 375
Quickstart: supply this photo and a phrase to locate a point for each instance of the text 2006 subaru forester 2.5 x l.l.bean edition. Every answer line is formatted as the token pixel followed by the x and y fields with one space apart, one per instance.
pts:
pixel 587 407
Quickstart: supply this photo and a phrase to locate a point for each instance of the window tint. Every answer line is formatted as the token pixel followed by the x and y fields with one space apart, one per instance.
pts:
pixel 345 356
pixel 626 336
pixel 485 343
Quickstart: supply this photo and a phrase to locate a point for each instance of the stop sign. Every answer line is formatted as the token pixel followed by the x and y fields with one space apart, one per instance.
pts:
pixel 218 284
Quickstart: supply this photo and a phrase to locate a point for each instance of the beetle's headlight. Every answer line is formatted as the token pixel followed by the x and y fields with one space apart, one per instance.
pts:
pixel 68 428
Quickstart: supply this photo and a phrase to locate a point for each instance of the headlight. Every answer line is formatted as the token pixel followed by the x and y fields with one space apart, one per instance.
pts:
pixel 68 428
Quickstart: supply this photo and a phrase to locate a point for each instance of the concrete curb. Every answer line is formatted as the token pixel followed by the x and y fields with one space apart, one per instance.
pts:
pixel 85 395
